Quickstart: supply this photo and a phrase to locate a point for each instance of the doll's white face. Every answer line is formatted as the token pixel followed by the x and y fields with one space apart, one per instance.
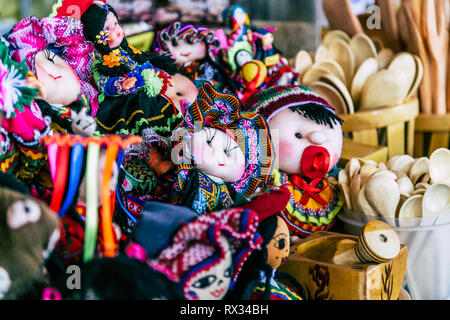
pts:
pixel 61 83
pixel 267 40
pixel 242 57
pixel 217 155
pixel 83 123
pixel 213 284
pixel 240 16
pixel 114 30
pixel 184 89
pixel 184 53
pixel 296 133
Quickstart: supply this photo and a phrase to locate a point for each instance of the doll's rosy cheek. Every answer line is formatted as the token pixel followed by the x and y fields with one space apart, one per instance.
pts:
pixel 285 149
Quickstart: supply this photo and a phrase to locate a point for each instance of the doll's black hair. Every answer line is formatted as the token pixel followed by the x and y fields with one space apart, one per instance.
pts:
pixel 250 275
pixel 321 115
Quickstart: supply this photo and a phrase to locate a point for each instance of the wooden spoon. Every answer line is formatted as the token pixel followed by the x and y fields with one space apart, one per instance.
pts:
pixel 314 74
pixel 418 80
pixel 340 86
pixel 410 33
pixel 389 23
pixel 332 35
pixel 342 53
pixel 383 195
pixel 330 94
pixel 321 53
pixel 384 58
pixel 405 65
pixel 303 62
pixel 436 200
pixel 436 37
pixel 340 16
pixel 440 166
pixel 363 49
pixel 383 89
pixel 333 67
pixel 365 71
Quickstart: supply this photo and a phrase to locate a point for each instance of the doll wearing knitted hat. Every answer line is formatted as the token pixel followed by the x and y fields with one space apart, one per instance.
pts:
pixel 225 154
pixel 55 51
pixel 131 83
pixel 309 145
pixel 194 50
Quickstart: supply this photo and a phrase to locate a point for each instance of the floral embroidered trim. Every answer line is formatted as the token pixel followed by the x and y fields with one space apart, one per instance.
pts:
pixel 135 50
pixel 111 60
pixel 103 38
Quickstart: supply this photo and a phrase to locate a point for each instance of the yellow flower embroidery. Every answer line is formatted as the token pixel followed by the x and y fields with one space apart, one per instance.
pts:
pixel 111 60
pixel 103 38
pixel 135 50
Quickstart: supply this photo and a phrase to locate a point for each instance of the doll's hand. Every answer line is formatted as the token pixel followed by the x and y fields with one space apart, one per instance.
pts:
pixel 129 83
pixel 34 83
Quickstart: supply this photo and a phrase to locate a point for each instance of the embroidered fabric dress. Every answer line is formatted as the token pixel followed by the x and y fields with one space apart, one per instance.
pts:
pixel 304 219
pixel 130 111
pixel 278 291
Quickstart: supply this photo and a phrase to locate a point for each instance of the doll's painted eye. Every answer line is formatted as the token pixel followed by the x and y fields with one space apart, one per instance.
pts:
pixel 205 282
pixel 298 135
pixel 280 241
pixel 174 42
pixel 179 94
pixel 228 272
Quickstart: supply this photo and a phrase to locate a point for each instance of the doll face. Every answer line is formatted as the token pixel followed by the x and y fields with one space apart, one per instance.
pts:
pixel 297 133
pixel 217 155
pixel 61 83
pixel 114 30
pixel 242 57
pixel 83 123
pixel 267 40
pixel 278 247
pixel 184 90
pixel 240 16
pixel 213 284
pixel 184 53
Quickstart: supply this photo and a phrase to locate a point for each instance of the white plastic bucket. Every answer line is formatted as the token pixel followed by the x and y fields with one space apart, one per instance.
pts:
pixel 428 242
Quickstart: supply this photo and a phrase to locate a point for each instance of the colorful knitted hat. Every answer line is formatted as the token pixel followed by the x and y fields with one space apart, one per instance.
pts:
pixel 200 245
pixel 275 99
pixel 70 8
pixel 64 34
pixel 192 34
pixel 250 130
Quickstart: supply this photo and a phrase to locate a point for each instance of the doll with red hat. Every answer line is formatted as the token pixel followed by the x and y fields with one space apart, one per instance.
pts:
pixel 259 278
pixel 308 146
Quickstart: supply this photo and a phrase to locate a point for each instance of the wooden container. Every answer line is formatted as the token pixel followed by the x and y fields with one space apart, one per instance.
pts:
pixel 397 123
pixel 431 132
pixel 327 281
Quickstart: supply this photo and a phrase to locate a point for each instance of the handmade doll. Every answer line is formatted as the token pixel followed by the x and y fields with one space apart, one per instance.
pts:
pixel 56 53
pixel 222 154
pixel 278 69
pixel 29 231
pixel 202 254
pixel 236 20
pixel 131 83
pixel 308 147
pixel 22 124
pixel 124 278
pixel 194 50
pixel 259 278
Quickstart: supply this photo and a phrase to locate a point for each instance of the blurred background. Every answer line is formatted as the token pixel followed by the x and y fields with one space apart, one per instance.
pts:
pixel 298 22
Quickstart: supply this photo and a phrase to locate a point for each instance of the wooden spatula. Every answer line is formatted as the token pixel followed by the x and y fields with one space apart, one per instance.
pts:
pixel 340 16
pixel 389 23
pixel 410 34
pixel 434 26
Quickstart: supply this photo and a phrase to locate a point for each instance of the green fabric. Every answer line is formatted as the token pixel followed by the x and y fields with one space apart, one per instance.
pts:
pixel 153 83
